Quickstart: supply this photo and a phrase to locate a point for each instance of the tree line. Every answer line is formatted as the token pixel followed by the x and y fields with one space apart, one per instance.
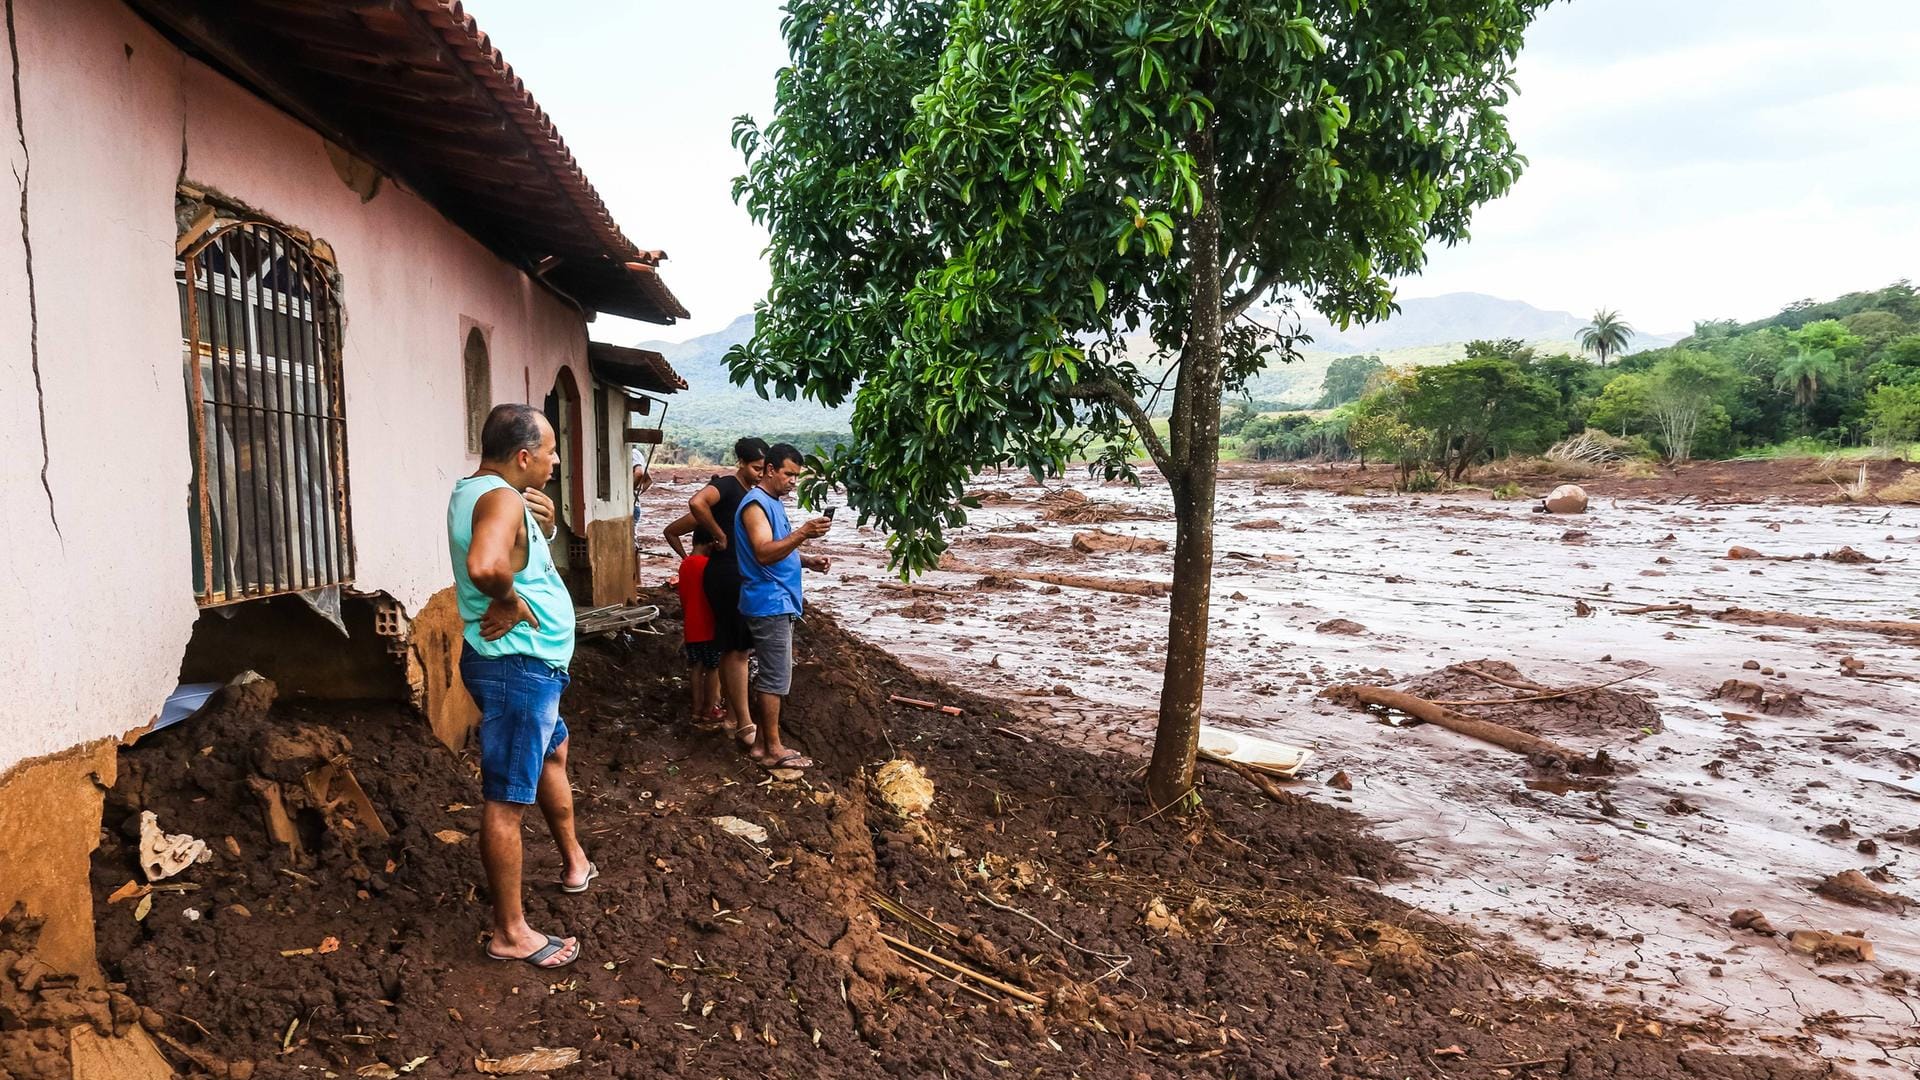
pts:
pixel 1820 375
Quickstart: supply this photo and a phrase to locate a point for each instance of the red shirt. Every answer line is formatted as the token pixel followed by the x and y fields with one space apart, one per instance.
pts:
pixel 693 600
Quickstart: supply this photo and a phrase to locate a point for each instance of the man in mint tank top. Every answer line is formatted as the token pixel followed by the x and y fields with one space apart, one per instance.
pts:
pixel 770 567
pixel 518 643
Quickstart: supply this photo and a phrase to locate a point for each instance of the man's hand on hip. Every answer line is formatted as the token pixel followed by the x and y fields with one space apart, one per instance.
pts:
pixel 502 616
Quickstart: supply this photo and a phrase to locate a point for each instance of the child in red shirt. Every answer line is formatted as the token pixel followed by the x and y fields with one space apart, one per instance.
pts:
pixel 701 648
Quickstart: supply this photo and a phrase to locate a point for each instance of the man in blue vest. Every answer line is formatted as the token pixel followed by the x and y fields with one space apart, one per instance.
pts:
pixel 770 567
pixel 518 643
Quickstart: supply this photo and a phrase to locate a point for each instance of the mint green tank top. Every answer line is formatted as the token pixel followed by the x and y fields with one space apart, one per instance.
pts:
pixel 539 582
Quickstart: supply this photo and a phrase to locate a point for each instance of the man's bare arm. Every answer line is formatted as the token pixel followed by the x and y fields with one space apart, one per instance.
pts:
pixel 499 521
pixel 759 535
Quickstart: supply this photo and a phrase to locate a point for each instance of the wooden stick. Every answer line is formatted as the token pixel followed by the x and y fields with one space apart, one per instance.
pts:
pixel 938 974
pixel 1005 988
pixel 907 587
pixel 1513 684
pixel 1648 609
pixel 920 704
pixel 1267 787
pixel 1750 617
pixel 1546 697
pixel 1131 587
pixel 1485 730
pixel 1009 732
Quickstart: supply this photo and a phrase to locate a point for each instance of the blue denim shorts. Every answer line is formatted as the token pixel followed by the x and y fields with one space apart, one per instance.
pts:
pixel 520 725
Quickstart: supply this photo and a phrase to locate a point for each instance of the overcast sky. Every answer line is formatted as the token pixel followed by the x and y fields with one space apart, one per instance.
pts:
pixel 1690 158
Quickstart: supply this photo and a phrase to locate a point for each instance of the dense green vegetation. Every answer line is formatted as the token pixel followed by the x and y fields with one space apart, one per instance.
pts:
pixel 1825 375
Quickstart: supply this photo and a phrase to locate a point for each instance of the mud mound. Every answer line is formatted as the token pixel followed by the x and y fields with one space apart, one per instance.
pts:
pixel 708 953
pixel 1604 711
pixel 1023 550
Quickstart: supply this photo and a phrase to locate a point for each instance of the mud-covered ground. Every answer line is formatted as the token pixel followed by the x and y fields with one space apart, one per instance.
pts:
pixel 1625 886
pixel 1243 940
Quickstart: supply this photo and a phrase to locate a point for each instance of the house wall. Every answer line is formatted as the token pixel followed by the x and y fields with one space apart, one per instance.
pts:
pixel 99 588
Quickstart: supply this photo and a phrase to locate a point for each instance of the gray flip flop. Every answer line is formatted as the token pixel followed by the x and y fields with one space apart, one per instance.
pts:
pixel 593 871
pixel 538 958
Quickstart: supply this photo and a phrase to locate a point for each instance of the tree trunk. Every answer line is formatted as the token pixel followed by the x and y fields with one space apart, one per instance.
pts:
pixel 1195 430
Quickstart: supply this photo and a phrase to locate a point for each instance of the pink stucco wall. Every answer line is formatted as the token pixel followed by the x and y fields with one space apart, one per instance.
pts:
pixel 114 118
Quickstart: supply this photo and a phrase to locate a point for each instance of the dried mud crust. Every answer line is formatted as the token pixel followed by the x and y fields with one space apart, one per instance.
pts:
pixel 1608 711
pixel 1241 940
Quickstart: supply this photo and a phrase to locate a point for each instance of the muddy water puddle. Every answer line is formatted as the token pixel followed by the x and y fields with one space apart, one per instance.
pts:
pixel 1625 885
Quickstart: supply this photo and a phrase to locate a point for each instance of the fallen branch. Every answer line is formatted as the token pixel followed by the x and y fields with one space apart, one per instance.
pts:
pixel 1512 684
pixel 986 980
pixel 1252 776
pixel 1546 697
pixel 1648 609
pixel 918 703
pixel 1751 617
pixel 909 587
pixel 1131 587
pixel 1532 746
pixel 1115 961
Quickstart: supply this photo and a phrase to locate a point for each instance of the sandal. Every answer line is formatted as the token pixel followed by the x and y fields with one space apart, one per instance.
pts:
pixel 539 957
pixel 745 734
pixel 792 759
pixel 593 871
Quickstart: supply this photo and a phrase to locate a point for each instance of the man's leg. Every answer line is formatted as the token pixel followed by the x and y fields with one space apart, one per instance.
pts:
pixel 500 855
pixel 556 805
pixel 767 746
pixel 773 643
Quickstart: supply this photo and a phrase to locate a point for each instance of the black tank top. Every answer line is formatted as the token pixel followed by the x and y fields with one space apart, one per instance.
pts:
pixel 731 492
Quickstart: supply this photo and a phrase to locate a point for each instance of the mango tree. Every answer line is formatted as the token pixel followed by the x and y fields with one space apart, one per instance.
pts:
pixel 1006 229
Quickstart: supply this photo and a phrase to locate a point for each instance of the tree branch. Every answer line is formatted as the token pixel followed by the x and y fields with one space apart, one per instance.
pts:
pixel 1111 390
pixel 1238 305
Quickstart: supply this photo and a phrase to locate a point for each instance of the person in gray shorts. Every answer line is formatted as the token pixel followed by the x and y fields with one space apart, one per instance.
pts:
pixel 770 569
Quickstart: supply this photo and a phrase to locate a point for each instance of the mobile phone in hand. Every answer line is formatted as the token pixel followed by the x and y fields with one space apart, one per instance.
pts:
pixel 829 512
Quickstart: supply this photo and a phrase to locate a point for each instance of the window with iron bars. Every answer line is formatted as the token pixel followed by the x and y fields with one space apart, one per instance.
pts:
pixel 260 332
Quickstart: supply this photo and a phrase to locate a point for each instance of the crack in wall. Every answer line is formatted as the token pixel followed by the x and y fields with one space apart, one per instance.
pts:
pixel 22 177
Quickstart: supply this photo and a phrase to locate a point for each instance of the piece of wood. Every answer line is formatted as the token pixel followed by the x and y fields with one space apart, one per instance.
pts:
pixel 1010 733
pixel 1532 746
pixel 1909 631
pixel 1266 787
pixel 1130 587
pixel 917 703
pixel 1545 697
pixel 909 587
pixel 986 980
pixel 1648 609
pixel 1511 684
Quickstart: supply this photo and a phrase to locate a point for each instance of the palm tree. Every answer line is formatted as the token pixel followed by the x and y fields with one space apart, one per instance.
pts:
pixel 1805 372
pixel 1606 336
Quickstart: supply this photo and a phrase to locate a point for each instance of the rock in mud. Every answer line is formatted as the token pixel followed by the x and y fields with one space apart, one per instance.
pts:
pixel 1567 499
pixel 1751 919
pixel 1773 703
pixel 905 787
pixel 1823 945
pixel 1341 781
pixel 1340 626
pixel 1852 887
pixel 1100 541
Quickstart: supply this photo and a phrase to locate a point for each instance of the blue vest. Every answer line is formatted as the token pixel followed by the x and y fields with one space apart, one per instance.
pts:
pixel 766 590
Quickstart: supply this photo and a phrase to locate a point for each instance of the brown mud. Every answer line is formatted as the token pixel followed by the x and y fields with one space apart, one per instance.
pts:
pixel 1241 940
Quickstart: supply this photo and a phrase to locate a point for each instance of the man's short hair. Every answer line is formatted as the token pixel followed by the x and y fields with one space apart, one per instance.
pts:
pixel 748 450
pixel 509 429
pixel 780 453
